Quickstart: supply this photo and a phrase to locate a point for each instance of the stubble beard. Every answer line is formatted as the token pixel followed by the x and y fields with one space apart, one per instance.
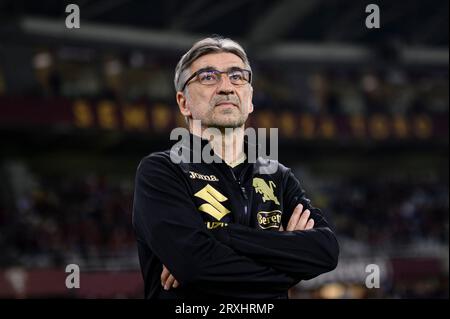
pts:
pixel 228 118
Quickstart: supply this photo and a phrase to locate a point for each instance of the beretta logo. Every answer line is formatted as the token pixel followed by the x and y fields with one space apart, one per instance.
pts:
pixel 269 219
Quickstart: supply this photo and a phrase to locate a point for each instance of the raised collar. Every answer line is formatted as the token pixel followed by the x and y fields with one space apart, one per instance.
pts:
pixel 198 143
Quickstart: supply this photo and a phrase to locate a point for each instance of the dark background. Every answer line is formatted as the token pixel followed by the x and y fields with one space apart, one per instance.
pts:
pixel 362 117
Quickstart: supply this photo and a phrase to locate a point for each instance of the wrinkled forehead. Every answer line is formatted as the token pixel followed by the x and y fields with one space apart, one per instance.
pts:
pixel 221 61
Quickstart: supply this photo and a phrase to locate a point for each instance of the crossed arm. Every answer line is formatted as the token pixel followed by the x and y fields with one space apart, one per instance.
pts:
pixel 234 261
pixel 300 220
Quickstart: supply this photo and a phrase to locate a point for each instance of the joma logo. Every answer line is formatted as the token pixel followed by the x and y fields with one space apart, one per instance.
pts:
pixel 209 178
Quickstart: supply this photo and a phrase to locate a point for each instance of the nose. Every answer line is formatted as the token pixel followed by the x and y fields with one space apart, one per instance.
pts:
pixel 225 86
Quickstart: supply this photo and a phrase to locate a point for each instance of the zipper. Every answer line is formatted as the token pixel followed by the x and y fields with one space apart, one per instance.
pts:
pixel 244 195
pixel 238 181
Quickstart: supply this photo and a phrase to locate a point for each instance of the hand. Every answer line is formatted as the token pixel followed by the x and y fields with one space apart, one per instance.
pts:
pixel 168 280
pixel 299 220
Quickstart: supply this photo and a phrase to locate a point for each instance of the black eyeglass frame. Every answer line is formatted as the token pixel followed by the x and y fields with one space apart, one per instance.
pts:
pixel 217 72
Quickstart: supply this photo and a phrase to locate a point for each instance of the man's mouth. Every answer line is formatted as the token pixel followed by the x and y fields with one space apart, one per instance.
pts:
pixel 227 104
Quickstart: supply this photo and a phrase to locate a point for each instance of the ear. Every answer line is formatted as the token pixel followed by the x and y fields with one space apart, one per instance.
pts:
pixel 250 109
pixel 184 108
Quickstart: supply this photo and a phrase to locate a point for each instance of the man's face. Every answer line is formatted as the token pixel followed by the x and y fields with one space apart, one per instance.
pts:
pixel 221 105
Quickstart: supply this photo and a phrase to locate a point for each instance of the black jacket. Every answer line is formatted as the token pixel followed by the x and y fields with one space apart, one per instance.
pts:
pixel 218 234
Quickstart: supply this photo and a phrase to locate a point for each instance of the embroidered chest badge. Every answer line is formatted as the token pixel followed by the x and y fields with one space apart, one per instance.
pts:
pixel 265 190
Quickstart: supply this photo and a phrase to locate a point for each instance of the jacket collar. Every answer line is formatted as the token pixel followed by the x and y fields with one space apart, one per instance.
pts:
pixel 198 144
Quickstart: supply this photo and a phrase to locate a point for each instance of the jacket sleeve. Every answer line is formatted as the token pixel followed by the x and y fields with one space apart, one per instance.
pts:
pixel 166 219
pixel 300 254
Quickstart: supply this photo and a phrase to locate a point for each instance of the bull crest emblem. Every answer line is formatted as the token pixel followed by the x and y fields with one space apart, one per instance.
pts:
pixel 265 190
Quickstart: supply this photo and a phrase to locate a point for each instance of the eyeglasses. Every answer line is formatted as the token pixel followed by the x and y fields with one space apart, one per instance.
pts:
pixel 237 76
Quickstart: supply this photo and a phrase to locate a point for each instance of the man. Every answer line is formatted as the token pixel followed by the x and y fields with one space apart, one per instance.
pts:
pixel 230 228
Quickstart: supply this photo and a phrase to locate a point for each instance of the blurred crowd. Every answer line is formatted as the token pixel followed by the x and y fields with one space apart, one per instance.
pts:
pixel 334 89
pixel 60 218
pixel 90 216
pixel 52 219
pixel 391 212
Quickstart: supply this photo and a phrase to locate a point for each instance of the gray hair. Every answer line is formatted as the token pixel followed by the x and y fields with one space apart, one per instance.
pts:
pixel 213 44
